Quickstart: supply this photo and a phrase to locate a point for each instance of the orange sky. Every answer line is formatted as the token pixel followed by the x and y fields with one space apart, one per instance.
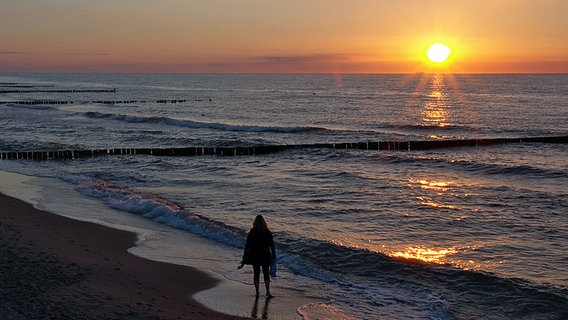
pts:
pixel 288 36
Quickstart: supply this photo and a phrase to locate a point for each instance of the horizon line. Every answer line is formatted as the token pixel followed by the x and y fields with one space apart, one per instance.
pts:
pixel 302 73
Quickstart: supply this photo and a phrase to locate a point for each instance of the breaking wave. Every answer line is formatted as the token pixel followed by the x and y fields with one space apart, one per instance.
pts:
pixel 200 124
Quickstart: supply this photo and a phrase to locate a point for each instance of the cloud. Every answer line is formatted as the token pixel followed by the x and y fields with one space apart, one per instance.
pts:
pixel 57 53
pixel 81 54
pixel 300 63
pixel 300 59
pixel 13 52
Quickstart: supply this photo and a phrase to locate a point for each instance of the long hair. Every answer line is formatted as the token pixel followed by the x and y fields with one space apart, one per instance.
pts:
pixel 260 224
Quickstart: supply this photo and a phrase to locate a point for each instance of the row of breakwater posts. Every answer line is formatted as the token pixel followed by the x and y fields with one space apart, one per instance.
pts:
pixel 15 85
pixel 261 150
pixel 58 91
pixel 9 87
pixel 62 102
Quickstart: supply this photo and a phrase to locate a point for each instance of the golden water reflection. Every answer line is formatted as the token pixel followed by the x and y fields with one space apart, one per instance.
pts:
pixel 438 256
pixel 443 256
pixel 440 186
pixel 457 256
pixel 425 201
pixel 435 112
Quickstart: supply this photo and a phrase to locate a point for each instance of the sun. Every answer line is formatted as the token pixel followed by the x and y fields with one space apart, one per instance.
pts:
pixel 438 52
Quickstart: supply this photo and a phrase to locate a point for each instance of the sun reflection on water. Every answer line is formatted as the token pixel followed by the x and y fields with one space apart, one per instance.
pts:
pixel 437 104
pixel 435 112
pixel 443 256
pixel 456 256
pixel 425 254
pixel 432 185
pixel 431 203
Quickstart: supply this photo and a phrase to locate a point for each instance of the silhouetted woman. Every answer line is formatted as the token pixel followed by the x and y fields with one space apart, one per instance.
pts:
pixel 259 252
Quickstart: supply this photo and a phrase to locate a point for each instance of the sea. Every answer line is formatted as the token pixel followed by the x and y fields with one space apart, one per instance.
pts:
pixel 466 232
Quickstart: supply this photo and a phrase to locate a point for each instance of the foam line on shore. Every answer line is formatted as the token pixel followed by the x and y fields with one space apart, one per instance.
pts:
pixel 155 243
pixel 71 269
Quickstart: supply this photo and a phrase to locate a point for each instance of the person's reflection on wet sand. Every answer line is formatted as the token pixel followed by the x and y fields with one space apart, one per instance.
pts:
pixel 254 312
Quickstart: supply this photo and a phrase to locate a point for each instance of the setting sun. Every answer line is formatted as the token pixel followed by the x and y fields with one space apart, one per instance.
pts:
pixel 438 52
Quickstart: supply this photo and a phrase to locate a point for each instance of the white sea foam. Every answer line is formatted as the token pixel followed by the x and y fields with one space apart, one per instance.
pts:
pixel 322 311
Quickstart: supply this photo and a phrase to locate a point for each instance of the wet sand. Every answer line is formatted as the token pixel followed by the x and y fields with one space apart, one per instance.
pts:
pixel 54 267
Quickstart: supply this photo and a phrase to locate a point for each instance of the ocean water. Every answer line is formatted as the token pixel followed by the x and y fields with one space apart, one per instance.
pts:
pixel 456 233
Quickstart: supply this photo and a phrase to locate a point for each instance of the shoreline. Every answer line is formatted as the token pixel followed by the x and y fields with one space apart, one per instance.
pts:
pixel 57 267
pixel 232 293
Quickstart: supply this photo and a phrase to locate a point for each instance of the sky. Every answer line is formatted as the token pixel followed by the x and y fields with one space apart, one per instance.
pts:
pixel 282 36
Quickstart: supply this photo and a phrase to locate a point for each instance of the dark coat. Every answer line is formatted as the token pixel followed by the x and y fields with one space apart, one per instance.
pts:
pixel 259 248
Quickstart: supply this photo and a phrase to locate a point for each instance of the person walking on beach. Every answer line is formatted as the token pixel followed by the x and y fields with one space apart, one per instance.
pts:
pixel 259 252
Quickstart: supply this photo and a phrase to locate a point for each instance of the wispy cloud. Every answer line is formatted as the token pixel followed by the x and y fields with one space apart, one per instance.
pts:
pixel 13 52
pixel 81 54
pixel 57 53
pixel 313 58
pixel 285 63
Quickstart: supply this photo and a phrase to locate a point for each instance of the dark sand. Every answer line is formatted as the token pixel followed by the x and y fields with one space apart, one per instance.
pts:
pixel 52 267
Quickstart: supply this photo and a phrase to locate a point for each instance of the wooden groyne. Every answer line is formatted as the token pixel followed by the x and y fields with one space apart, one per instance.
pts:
pixel 13 87
pixel 24 86
pixel 59 91
pixel 65 102
pixel 261 150
pixel 37 102
pixel 163 152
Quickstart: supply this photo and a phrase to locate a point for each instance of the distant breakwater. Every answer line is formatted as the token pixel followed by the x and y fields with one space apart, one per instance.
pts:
pixel 14 87
pixel 58 91
pixel 267 149
pixel 65 102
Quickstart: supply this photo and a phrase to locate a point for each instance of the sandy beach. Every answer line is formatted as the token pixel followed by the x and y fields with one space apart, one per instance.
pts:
pixel 58 268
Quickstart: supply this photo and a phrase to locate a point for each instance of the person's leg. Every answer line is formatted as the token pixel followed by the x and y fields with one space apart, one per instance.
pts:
pixel 265 271
pixel 256 278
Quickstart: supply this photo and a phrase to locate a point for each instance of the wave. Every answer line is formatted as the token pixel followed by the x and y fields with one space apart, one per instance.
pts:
pixel 431 127
pixel 157 209
pixel 166 212
pixel 30 106
pixel 447 291
pixel 522 170
pixel 367 275
pixel 448 130
pixel 320 310
pixel 489 169
pixel 199 124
